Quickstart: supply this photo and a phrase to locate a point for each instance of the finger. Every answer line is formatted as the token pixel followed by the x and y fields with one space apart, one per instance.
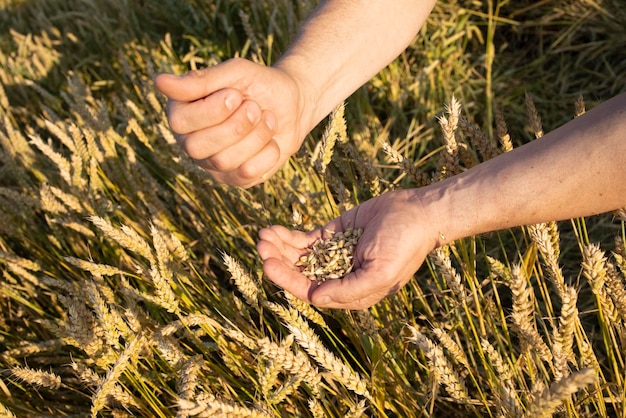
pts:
pixel 201 83
pixel 187 117
pixel 358 290
pixel 288 279
pixel 280 243
pixel 210 141
pixel 239 153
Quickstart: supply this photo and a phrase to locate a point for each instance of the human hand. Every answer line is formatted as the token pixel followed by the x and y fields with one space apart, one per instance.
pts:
pixel 397 236
pixel 239 120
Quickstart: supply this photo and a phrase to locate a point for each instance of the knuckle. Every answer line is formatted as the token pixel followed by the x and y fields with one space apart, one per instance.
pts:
pixel 222 163
pixel 193 148
pixel 177 122
pixel 241 128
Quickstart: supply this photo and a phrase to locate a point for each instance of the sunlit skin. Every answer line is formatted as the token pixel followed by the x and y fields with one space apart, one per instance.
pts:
pixel 241 121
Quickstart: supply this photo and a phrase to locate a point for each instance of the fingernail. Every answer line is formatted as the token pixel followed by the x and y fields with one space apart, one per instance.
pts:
pixel 253 113
pixel 270 121
pixel 323 301
pixel 229 103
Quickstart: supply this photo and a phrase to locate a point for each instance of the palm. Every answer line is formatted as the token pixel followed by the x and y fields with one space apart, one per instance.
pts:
pixel 393 246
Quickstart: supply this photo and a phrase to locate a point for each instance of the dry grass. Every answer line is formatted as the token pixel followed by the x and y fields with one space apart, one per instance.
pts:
pixel 130 282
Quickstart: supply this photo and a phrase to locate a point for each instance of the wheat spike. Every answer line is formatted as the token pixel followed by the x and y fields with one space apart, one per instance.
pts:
pixel 316 408
pixel 442 261
pixel 533 116
pixel 503 132
pixel 616 287
pixel 595 271
pixel 310 342
pixel 440 367
pixel 284 358
pixel 244 282
pixel 4 411
pixel 208 405
pixel 563 346
pixel 335 130
pixel 38 378
pixel 550 399
pixel 188 380
pixel 523 313
pixel 480 141
pixel 449 163
pixel 452 347
pixel 306 309
pixel 108 384
pixel 546 237
pixel 125 236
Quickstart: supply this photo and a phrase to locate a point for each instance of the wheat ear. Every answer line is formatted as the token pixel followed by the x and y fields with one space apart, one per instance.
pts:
pixel 551 398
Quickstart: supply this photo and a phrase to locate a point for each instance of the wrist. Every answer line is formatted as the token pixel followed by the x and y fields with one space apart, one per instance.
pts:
pixel 309 96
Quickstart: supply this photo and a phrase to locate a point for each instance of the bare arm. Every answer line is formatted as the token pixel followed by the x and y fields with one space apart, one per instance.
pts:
pixel 241 121
pixel 576 170
pixel 345 43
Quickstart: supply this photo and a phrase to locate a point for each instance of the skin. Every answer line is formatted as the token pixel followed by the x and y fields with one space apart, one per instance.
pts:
pixel 576 170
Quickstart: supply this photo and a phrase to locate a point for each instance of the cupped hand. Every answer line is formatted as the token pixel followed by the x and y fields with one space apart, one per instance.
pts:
pixel 239 120
pixel 397 236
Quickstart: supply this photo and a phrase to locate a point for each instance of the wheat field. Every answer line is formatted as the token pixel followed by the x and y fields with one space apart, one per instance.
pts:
pixel 130 280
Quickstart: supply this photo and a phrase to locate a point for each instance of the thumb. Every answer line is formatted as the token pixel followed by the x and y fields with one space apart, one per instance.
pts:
pixel 198 84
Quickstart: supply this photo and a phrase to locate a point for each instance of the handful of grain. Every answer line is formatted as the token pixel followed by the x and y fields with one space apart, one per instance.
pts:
pixel 330 258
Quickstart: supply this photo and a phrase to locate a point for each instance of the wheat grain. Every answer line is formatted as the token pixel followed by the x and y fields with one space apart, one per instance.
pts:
pixel 330 258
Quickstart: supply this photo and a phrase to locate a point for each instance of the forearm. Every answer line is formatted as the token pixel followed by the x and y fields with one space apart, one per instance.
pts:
pixel 577 170
pixel 345 43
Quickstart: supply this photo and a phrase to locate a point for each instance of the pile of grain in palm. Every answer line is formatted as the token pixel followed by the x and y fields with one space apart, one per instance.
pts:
pixel 330 258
